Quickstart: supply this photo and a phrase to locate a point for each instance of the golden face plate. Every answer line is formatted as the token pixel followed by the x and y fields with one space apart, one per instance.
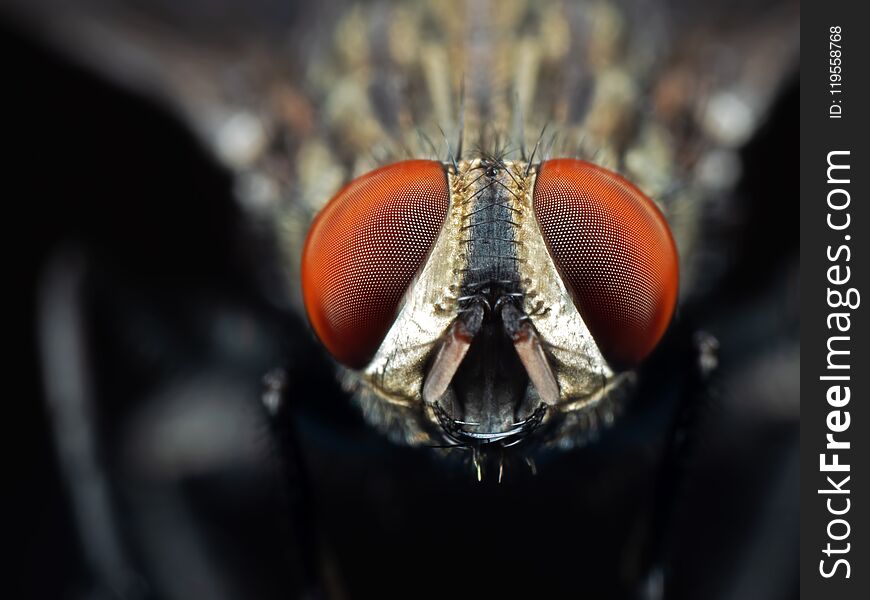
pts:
pixel 566 368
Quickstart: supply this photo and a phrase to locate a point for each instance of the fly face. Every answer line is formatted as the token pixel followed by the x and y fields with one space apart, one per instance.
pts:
pixel 474 302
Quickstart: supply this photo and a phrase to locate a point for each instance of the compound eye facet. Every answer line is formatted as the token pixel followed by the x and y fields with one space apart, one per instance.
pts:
pixel 364 249
pixel 614 251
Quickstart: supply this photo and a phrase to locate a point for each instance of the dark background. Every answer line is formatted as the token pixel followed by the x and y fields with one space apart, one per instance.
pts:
pixel 693 494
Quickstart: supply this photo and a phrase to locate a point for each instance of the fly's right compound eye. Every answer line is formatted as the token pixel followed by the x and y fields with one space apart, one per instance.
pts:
pixel 614 251
pixel 363 251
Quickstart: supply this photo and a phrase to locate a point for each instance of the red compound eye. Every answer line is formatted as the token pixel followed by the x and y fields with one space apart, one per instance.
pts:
pixel 364 249
pixel 614 252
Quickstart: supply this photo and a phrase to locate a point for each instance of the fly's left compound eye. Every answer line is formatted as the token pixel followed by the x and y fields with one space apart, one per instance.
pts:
pixel 363 251
pixel 614 251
